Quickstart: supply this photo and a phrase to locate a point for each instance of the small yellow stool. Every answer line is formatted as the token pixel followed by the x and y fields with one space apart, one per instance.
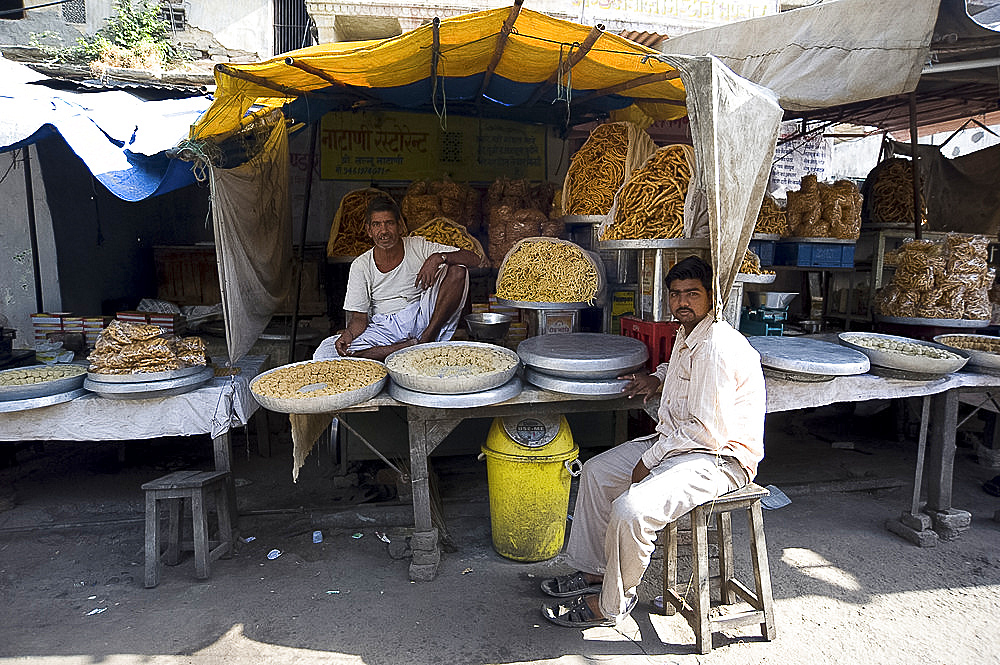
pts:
pixel 174 488
pixel 748 499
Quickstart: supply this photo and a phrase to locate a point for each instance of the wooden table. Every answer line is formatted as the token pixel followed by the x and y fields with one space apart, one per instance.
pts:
pixel 428 427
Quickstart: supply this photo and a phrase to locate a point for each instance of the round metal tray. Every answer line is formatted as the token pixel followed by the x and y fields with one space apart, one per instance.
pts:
pixel 44 389
pixel 145 377
pixel 802 377
pixel 151 389
pixel 583 355
pixel 521 304
pixel 463 401
pixel 453 384
pixel 802 357
pixel 978 360
pixel 906 375
pixel 39 402
pixel 655 243
pixel 583 388
pixel 941 323
pixel 766 236
pixel 921 366
pixel 748 278
pixel 323 403
pixel 583 219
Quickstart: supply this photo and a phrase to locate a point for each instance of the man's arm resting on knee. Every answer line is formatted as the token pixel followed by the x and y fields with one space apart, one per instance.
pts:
pixel 356 324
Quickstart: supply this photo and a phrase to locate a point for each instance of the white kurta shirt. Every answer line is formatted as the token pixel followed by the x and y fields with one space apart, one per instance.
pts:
pixel 713 397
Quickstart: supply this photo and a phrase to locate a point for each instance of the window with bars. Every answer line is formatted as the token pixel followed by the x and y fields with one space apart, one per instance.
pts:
pixel 174 13
pixel 293 27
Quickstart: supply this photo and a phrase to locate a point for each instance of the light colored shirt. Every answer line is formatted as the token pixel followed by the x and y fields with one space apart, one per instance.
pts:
pixel 372 291
pixel 713 397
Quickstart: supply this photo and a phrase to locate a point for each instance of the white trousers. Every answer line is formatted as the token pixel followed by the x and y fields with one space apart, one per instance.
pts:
pixel 615 522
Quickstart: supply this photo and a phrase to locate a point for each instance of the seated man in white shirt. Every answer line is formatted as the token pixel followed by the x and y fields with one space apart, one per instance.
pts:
pixel 401 292
pixel 709 439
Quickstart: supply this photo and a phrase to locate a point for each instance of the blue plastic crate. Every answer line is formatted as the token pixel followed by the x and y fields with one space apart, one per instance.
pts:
pixel 764 249
pixel 814 254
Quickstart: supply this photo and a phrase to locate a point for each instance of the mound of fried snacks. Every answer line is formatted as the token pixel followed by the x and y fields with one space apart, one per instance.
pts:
pixel 134 348
pixel 751 265
pixel 772 218
pixel 596 171
pixel 651 204
pixel 821 210
pixel 892 194
pixel 542 270
pixel 323 377
pixel 447 232
pixel 347 233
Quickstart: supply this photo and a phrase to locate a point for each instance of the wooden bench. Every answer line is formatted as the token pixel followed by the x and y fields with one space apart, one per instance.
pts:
pixel 194 487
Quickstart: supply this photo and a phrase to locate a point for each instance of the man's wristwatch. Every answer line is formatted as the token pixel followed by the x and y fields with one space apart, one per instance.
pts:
pixel 443 260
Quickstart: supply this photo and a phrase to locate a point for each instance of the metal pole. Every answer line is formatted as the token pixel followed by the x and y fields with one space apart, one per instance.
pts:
pixel 29 195
pixel 302 239
pixel 915 163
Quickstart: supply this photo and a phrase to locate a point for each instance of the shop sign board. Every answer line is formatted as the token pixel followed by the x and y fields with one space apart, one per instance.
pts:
pixel 409 146
pixel 798 157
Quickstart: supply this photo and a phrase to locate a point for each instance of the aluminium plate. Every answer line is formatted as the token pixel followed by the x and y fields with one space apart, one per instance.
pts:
pixel 43 389
pixel 583 388
pixel 320 403
pixel 39 402
pixel 749 278
pixel 524 304
pixel 940 323
pixel 150 389
pixel 979 360
pixel 453 380
pixel 654 243
pixel 920 366
pixel 803 356
pixel 502 393
pixel 583 355
pixel 145 377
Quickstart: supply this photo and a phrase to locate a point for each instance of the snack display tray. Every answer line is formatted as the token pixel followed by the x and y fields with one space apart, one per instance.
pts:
pixel 803 356
pixel 151 389
pixel 583 355
pixel 496 395
pixel 748 278
pixel 920 367
pixel 452 385
pixel 583 388
pixel 323 403
pixel 45 389
pixel 978 360
pixel 941 323
pixel 145 377
pixel 521 304
pixel 13 405
pixel 655 243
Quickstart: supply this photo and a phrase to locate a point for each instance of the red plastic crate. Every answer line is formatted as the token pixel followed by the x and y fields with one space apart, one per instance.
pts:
pixel 658 336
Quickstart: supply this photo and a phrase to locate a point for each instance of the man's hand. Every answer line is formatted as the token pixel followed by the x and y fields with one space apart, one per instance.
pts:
pixel 343 342
pixel 645 385
pixel 428 271
pixel 639 472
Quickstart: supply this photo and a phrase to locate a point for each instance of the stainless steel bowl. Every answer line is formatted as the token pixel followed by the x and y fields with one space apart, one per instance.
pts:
pixel 488 325
pixel 770 299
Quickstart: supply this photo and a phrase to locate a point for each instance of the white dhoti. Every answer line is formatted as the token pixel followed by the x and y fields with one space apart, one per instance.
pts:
pixel 615 522
pixel 409 322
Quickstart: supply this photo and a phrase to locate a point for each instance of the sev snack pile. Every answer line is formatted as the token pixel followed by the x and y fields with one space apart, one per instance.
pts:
pixel 939 280
pixel 751 265
pixel 334 376
pixel 891 194
pixel 596 171
pixel 347 232
pixel 134 348
pixel 772 218
pixel 651 204
pixel 28 376
pixel 544 270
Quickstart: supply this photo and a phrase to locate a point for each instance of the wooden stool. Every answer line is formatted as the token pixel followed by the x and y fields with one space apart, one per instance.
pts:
pixel 748 498
pixel 174 488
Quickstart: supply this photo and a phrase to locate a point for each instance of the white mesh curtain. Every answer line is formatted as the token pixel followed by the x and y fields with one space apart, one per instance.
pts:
pixel 253 239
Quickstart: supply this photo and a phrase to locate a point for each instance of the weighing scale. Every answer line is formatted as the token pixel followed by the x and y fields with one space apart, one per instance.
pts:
pixel 766 314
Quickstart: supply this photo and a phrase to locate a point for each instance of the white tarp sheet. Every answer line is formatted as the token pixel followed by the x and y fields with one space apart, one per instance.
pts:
pixel 252 217
pixel 829 54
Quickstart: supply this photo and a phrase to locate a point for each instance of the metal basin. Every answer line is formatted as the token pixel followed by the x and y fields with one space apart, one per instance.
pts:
pixel 488 325
pixel 770 299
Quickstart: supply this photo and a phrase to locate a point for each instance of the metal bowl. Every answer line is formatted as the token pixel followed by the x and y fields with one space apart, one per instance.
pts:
pixel 986 357
pixel 922 366
pixel 770 299
pixel 488 325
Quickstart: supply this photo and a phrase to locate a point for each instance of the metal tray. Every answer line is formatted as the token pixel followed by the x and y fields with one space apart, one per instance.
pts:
pixel 464 401
pixel 940 323
pixel 542 305
pixel 323 403
pixel 583 355
pixel 922 366
pixel 151 389
pixel 802 377
pixel 454 384
pixel 828 241
pixel 145 377
pixel 655 243
pixel 984 361
pixel 45 389
pixel 766 236
pixel 583 219
pixel 748 278
pixel 802 357
pixel 582 388
pixel 39 402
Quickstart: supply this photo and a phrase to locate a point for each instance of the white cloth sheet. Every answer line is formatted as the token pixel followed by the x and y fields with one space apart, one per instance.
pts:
pixel 215 408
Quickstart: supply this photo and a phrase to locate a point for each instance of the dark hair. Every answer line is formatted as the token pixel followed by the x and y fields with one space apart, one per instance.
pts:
pixel 382 204
pixel 692 267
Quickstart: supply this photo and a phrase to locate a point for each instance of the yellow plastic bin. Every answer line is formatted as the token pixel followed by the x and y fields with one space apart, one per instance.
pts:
pixel 529 464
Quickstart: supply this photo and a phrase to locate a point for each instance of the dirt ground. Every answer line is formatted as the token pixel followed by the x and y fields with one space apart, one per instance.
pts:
pixel 846 589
